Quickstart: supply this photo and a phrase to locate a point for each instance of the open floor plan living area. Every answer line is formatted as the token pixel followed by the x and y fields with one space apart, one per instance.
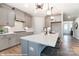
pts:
pixel 39 29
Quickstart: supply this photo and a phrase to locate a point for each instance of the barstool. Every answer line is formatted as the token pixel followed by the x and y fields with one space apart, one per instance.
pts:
pixel 51 51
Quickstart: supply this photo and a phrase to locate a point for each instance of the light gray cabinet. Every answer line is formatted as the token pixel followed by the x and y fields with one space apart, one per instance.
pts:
pixel 7 16
pixel 28 21
pixel 7 41
pixel 20 15
pixel 12 40
pixel 3 42
pixel 11 18
pixel 3 15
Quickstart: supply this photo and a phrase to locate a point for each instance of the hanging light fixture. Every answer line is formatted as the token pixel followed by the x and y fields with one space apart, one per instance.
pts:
pixel 39 6
pixel 48 10
pixel 51 17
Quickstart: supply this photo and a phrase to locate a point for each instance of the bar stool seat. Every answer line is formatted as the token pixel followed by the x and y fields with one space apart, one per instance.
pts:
pixel 49 51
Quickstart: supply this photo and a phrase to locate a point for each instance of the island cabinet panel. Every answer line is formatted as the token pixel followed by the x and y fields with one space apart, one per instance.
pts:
pixel 35 49
pixel 31 48
pixel 24 47
pixel 34 44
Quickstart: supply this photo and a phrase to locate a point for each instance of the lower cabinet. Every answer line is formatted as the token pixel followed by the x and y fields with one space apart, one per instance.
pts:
pixel 12 40
pixel 7 41
pixel 3 42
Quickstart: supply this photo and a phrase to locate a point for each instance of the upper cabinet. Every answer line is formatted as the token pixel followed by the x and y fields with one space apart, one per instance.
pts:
pixel 56 24
pixel 57 19
pixel 28 21
pixel 26 18
pixel 3 15
pixel 7 16
pixel 11 17
pixel 20 15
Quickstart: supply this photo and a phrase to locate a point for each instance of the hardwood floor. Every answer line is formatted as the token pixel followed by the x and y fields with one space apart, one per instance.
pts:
pixel 69 47
pixel 14 51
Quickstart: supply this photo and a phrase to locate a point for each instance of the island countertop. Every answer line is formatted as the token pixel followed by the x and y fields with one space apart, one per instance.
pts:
pixel 49 39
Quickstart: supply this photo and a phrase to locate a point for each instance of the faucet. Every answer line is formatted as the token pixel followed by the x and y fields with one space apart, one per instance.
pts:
pixel 45 30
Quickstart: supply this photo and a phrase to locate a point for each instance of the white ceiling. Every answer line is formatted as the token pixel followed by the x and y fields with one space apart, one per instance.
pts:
pixel 71 9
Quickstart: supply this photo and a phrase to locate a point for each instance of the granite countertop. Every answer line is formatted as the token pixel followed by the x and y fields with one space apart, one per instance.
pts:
pixel 49 39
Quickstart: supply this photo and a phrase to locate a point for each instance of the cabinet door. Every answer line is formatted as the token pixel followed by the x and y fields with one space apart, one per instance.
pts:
pixel 11 18
pixel 33 49
pixel 11 40
pixel 28 21
pixel 3 42
pixel 3 16
pixel 24 47
pixel 57 18
pixel 20 15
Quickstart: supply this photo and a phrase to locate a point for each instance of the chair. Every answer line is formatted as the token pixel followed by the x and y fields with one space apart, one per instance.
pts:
pixel 51 51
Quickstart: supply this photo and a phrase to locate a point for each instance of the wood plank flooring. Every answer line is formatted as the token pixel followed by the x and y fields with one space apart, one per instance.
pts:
pixel 69 47
pixel 14 51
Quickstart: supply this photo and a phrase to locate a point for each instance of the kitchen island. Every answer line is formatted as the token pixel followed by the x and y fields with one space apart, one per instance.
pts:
pixel 33 45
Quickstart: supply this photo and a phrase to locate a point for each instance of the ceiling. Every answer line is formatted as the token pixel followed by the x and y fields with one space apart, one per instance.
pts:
pixel 70 9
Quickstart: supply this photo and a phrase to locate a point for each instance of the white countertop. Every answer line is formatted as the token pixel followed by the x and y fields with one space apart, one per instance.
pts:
pixel 7 33
pixel 48 40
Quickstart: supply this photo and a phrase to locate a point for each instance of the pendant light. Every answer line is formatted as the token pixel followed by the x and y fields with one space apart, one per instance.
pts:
pixel 48 10
pixel 51 17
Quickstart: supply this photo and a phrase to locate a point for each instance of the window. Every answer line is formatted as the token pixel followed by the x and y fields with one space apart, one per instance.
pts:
pixel 19 26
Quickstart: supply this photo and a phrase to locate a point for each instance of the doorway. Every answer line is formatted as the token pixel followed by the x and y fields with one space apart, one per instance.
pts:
pixel 67 27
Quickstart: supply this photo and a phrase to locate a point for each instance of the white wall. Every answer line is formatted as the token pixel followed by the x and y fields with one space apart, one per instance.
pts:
pixel 76 31
pixel 38 24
